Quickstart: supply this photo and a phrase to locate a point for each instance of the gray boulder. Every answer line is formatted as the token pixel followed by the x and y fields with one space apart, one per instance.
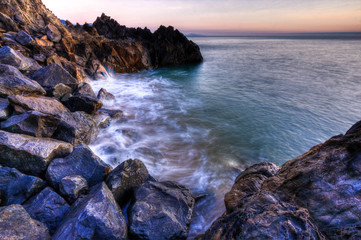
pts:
pixel 71 187
pixel 31 123
pixel 82 161
pixel 94 216
pixel 103 94
pixel 29 154
pixel 85 89
pixel 14 58
pixel 16 223
pixel 53 33
pixel 160 210
pixel 24 38
pixel 47 207
pixel 16 188
pixel 14 85
pixel 5 110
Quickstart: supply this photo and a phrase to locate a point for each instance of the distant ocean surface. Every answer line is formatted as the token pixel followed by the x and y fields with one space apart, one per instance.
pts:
pixel 251 100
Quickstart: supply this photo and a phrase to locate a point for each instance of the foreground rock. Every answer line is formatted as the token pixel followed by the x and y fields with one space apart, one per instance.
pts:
pixel 161 210
pixel 73 186
pixel 14 58
pixel 94 216
pixel 29 154
pixel 15 187
pixel 16 223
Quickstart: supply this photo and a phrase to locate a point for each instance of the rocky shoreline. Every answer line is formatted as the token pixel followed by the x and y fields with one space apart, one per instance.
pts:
pixel 52 186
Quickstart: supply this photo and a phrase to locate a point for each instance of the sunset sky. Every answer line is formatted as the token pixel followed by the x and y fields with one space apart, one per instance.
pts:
pixel 219 17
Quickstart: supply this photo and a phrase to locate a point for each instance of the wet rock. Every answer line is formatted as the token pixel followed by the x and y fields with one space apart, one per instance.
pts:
pixel 103 94
pixel 60 90
pixel 83 103
pixel 82 161
pixel 16 223
pixel 94 216
pixel 53 74
pixel 14 58
pixel 76 128
pixel 53 33
pixel 29 154
pixel 24 38
pixel 5 110
pixel 16 187
pixel 47 207
pixel 31 123
pixel 125 178
pixel 160 210
pixel 40 104
pixel 71 187
pixel 103 120
pixel 85 89
pixel 13 85
pixel 111 112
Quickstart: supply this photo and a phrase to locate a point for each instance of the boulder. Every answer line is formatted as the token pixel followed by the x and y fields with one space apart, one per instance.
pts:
pixel 71 187
pixel 76 128
pixel 31 123
pixel 53 74
pixel 8 70
pixel 14 58
pixel 103 120
pixel 39 57
pixel 16 187
pixel 24 38
pixel 103 94
pixel 60 90
pixel 94 216
pixel 111 112
pixel 5 110
pixel 82 161
pixel 53 33
pixel 37 103
pixel 44 42
pixel 83 103
pixel 13 85
pixel 125 178
pixel 16 223
pixel 85 89
pixel 160 210
pixel 29 154
pixel 47 207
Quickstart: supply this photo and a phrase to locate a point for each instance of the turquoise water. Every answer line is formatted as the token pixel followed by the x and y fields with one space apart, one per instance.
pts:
pixel 252 100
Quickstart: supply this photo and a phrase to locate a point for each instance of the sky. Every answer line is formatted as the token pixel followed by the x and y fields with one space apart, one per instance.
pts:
pixel 219 17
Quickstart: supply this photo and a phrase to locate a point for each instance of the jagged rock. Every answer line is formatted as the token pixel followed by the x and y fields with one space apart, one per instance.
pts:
pixel 60 90
pixel 125 178
pixel 85 89
pixel 29 154
pixel 5 110
pixel 47 207
pixel 40 57
pixel 8 70
pixel 94 216
pixel 16 188
pixel 16 223
pixel 24 38
pixel 83 103
pixel 31 123
pixel 14 58
pixel 53 74
pixel 53 33
pixel 71 187
pixel 104 95
pixel 12 85
pixel 76 128
pixel 44 42
pixel 7 23
pixel 82 161
pixel 40 104
pixel 160 210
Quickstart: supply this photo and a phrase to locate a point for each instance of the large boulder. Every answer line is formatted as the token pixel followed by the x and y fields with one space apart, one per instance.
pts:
pixel 85 89
pixel 85 103
pixel 94 216
pixel 53 33
pixel 125 178
pixel 14 58
pixel 82 161
pixel 47 207
pixel 16 223
pixel 16 187
pixel 29 154
pixel 160 210
pixel 31 123
pixel 42 104
pixel 5 110
pixel 73 186
pixel 13 85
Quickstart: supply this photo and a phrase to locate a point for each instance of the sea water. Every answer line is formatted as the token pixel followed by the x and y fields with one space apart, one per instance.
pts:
pixel 251 100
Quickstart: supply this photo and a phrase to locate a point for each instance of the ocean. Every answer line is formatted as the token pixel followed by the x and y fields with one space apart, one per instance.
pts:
pixel 252 100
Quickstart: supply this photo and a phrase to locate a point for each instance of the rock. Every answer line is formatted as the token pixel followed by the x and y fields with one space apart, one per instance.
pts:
pixel 16 188
pixel 53 33
pixel 53 74
pixel 82 161
pixel 94 216
pixel 31 123
pixel 104 95
pixel 111 112
pixel 76 128
pixel 13 85
pixel 24 38
pixel 47 207
pixel 8 70
pixel 14 58
pixel 29 154
pixel 71 187
pixel 103 120
pixel 40 57
pixel 85 89
pixel 5 110
pixel 7 23
pixel 83 103
pixel 160 210
pixel 125 178
pixel 40 104
pixel 60 90
pixel 16 223
pixel 44 42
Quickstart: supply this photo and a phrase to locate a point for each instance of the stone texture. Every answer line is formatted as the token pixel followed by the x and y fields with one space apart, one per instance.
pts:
pixel 14 58
pixel 5 109
pixel 24 38
pixel 71 187
pixel 13 85
pixel 52 33
pixel 60 90
pixel 39 103
pixel 85 103
pixel 85 89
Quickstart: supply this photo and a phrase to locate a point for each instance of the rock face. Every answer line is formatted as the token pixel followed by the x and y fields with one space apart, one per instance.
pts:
pixel 15 187
pixel 40 104
pixel 94 216
pixel 12 57
pixel 82 161
pixel 16 223
pixel 29 154
pixel 71 187
pixel 161 210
